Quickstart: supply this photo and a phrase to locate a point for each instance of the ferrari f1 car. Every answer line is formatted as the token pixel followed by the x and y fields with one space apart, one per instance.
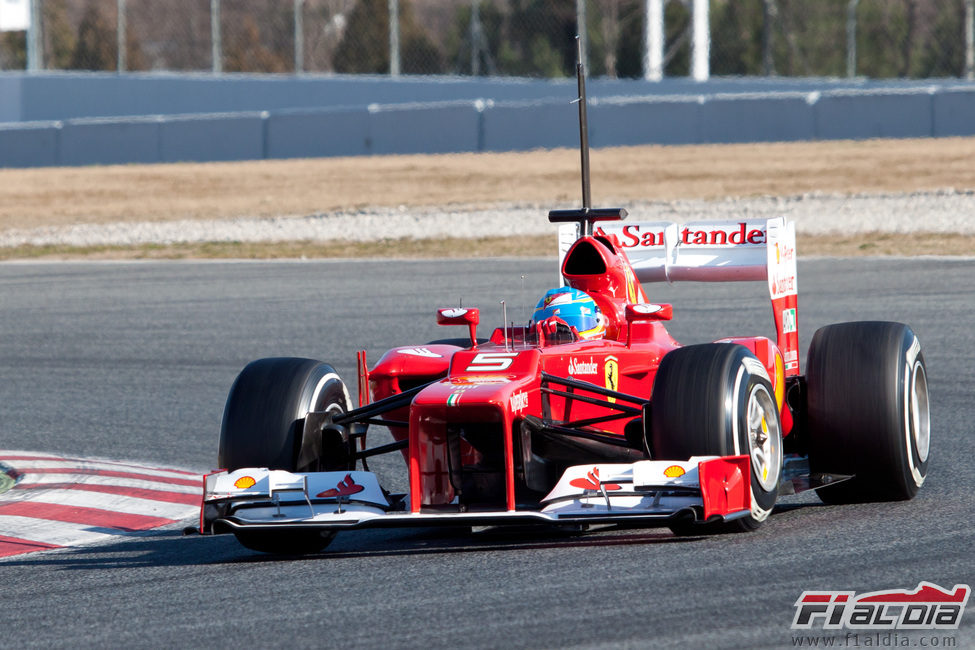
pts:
pixel 589 414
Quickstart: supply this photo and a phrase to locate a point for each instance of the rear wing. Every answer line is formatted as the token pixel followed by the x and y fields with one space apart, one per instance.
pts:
pixel 715 251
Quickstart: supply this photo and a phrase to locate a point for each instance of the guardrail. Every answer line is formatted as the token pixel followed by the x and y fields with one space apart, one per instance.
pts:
pixel 489 125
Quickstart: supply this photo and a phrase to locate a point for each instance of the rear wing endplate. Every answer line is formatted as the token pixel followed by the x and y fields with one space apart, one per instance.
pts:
pixel 715 251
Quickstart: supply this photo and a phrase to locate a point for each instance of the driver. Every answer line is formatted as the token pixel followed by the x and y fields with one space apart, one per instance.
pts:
pixel 575 308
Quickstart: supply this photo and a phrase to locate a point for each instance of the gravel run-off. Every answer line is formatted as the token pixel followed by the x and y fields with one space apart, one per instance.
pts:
pixel 827 188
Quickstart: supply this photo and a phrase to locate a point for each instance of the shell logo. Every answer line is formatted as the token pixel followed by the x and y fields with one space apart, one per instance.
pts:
pixel 674 471
pixel 244 482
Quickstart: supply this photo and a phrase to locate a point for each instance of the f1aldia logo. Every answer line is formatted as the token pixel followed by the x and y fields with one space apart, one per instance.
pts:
pixel 928 607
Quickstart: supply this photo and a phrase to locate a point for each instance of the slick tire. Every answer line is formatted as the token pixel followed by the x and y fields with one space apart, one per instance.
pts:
pixel 284 542
pixel 716 399
pixel 867 402
pixel 265 411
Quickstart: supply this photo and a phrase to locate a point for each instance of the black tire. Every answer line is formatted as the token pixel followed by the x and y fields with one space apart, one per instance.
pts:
pixel 265 411
pixel 867 403
pixel 703 398
pixel 464 343
pixel 284 542
pixel 262 426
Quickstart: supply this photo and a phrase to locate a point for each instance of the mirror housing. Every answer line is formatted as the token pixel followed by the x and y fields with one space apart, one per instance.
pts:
pixel 649 312
pixel 461 316
pixel 645 312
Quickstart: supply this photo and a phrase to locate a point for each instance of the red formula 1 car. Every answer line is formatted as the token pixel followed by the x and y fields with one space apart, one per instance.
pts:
pixel 590 413
pixel 552 424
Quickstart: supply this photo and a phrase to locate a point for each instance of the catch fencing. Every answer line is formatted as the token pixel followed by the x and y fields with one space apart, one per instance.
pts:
pixel 880 39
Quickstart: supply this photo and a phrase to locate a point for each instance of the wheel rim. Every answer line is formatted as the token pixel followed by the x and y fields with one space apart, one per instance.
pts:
pixel 764 435
pixel 920 420
pixel 335 409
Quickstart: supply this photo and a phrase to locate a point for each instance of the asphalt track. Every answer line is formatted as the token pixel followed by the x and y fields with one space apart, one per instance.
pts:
pixel 132 361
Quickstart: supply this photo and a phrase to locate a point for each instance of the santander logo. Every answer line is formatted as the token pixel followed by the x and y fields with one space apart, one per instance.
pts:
pixel 577 367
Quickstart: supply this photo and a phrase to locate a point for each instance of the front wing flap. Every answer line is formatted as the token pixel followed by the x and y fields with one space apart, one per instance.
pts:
pixel 703 488
pixel 710 486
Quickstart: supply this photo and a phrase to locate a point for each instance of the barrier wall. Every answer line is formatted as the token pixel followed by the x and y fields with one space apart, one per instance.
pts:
pixel 479 125
pixel 51 96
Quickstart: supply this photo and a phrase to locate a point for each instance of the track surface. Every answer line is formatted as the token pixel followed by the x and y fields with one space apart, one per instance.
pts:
pixel 133 362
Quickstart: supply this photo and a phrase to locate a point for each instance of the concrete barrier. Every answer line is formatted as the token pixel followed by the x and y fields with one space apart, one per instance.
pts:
pixel 10 99
pixel 758 118
pixel 521 126
pixel 310 134
pixel 845 115
pixel 479 125
pixel 954 113
pixel 109 142
pixel 443 128
pixel 72 95
pixel 212 138
pixel 659 120
pixel 29 145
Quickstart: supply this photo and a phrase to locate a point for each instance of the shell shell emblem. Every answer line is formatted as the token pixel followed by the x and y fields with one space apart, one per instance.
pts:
pixel 245 482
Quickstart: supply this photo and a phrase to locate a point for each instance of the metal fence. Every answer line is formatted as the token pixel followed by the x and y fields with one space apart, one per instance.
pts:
pixel 533 38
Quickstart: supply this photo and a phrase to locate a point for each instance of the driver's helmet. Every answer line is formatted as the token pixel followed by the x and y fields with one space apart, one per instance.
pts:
pixel 575 307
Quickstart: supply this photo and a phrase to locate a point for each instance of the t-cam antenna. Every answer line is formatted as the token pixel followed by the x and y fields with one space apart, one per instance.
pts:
pixel 583 128
pixel 587 215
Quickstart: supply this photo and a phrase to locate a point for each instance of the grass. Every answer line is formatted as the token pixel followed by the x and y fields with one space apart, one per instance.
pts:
pixel 869 244
pixel 387 248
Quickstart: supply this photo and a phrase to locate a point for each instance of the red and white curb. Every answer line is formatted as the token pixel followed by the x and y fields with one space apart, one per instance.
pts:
pixel 54 501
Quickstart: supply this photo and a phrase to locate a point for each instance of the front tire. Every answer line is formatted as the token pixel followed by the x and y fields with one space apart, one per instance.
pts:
pixel 716 399
pixel 867 402
pixel 284 542
pixel 265 411
pixel 262 427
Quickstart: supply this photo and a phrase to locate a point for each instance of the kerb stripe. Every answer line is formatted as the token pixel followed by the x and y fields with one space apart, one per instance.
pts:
pixel 83 515
pixel 140 493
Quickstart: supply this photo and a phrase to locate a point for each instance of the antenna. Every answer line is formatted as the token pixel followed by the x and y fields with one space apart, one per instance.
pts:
pixel 583 132
pixel 587 215
pixel 524 299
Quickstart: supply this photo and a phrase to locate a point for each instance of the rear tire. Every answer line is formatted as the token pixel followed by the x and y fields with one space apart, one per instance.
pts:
pixel 716 399
pixel 868 411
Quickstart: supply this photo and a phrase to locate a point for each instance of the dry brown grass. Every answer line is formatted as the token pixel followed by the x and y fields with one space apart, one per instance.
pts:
pixel 32 198
pixel 869 244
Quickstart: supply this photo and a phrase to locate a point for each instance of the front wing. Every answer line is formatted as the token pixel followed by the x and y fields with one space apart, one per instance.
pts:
pixel 703 488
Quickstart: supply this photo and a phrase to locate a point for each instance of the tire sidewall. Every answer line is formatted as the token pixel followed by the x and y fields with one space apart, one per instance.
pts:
pixel 751 378
pixel 864 420
pixel 699 407
pixel 913 377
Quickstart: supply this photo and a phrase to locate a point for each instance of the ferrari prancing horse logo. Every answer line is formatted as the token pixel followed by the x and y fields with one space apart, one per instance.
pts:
pixel 611 373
